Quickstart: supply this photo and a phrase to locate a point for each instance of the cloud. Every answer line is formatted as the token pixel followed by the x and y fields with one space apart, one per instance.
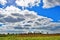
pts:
pixel 3 2
pixel 16 20
pixel 26 3
pixel 31 3
pixel 50 3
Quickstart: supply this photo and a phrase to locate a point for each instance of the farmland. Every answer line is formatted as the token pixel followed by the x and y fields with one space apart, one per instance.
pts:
pixel 30 37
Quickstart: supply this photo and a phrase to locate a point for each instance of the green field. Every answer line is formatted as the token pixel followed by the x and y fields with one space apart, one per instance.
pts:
pixel 30 38
pixel 18 37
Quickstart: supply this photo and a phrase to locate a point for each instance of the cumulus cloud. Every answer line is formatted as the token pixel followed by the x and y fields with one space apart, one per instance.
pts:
pixel 50 3
pixel 31 3
pixel 14 19
pixel 3 2
pixel 26 3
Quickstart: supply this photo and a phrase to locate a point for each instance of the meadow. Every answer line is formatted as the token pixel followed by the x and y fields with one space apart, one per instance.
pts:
pixel 31 37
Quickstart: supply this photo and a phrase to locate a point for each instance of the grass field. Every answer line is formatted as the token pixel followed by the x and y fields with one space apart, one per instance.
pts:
pixel 30 37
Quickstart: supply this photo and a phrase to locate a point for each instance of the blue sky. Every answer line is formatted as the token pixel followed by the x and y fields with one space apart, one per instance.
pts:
pixel 53 12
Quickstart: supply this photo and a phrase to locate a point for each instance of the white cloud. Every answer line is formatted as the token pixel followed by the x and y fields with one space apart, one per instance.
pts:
pixel 3 2
pixel 50 3
pixel 16 19
pixel 27 3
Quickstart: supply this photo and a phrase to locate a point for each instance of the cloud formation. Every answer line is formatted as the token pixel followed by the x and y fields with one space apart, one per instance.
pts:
pixel 3 2
pixel 50 3
pixel 31 3
pixel 14 19
pixel 26 3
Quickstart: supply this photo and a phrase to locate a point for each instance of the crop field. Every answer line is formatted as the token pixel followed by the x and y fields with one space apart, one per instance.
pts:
pixel 30 37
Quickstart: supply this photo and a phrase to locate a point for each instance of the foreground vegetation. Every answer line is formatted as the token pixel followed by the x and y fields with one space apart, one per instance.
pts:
pixel 30 37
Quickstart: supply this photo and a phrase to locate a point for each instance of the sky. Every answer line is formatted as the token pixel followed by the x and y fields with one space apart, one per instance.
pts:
pixel 22 16
pixel 53 12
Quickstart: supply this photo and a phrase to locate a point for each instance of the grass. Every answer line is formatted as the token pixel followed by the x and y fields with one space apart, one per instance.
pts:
pixel 30 38
pixel 39 37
